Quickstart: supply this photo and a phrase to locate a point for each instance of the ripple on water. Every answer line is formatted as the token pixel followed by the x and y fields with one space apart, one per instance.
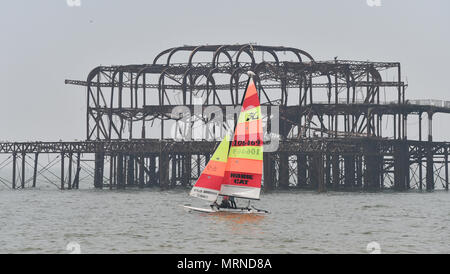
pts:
pixel 152 222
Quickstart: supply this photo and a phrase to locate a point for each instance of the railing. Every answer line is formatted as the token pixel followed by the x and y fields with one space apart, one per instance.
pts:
pixel 430 102
pixel 422 102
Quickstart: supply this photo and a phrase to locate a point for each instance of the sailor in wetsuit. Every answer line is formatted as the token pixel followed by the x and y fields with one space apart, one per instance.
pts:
pixel 232 202
pixel 225 202
pixel 228 202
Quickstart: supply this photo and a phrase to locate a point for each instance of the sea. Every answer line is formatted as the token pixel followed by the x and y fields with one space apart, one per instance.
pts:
pixel 48 220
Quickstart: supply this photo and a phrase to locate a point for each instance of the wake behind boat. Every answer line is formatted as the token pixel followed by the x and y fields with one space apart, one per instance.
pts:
pixel 235 169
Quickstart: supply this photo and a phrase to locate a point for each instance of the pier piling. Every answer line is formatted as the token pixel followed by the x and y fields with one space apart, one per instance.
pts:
pixel 22 184
pixel 14 171
pixel 35 167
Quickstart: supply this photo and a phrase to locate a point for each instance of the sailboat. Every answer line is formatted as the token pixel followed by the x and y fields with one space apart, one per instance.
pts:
pixel 235 169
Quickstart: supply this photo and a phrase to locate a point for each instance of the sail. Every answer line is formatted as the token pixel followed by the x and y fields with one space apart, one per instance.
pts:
pixel 208 184
pixel 243 172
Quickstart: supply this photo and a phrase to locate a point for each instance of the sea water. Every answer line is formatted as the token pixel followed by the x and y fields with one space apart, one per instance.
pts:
pixel 47 220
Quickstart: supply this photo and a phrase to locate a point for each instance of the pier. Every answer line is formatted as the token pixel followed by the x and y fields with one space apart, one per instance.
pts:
pixel 338 125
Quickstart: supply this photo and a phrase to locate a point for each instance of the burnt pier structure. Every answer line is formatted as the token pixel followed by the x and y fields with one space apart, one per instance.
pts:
pixel 334 124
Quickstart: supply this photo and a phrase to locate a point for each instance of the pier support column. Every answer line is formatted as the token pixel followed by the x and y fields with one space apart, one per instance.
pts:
pixel 301 170
pixel 36 157
pixel 359 173
pixel 429 169
pixel 318 172
pixel 430 127
pixel 372 168
pixel 14 171
pixel 335 170
pixel 429 155
pixel 99 168
pixel 62 170
pixel 164 170
pixel 328 167
pixel 174 164
pixel 420 172
pixel 130 170
pixel 76 180
pixel 349 171
pixel 120 171
pixel 446 168
pixel 69 181
pixel 112 171
pixel 22 183
pixel 312 172
pixel 267 166
pixel 283 171
pixel 141 171
pixel 420 155
pixel 187 166
pixel 153 178
pixel 401 166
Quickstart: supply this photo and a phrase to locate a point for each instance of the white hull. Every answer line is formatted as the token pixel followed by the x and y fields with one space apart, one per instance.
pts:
pixel 227 210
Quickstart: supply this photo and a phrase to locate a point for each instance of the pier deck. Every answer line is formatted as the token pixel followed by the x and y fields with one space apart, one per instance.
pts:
pixel 367 163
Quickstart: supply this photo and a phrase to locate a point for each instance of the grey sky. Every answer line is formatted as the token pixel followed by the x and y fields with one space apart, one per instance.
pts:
pixel 45 42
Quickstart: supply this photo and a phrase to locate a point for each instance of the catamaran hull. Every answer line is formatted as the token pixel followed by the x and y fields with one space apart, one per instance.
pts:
pixel 227 210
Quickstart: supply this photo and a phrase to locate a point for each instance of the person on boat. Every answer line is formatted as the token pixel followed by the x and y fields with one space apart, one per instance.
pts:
pixel 225 202
pixel 232 202
pixel 215 204
pixel 228 202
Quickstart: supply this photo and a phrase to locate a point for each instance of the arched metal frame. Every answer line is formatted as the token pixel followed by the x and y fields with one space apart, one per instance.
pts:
pixel 298 76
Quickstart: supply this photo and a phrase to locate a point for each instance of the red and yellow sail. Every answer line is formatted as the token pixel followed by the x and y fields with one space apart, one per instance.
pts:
pixel 243 172
pixel 208 184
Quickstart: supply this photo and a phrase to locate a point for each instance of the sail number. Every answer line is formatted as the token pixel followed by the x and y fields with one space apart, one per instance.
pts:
pixel 246 143
pixel 246 151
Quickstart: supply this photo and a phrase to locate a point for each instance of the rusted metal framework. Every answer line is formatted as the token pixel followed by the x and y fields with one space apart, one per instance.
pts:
pixel 123 96
pixel 342 124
